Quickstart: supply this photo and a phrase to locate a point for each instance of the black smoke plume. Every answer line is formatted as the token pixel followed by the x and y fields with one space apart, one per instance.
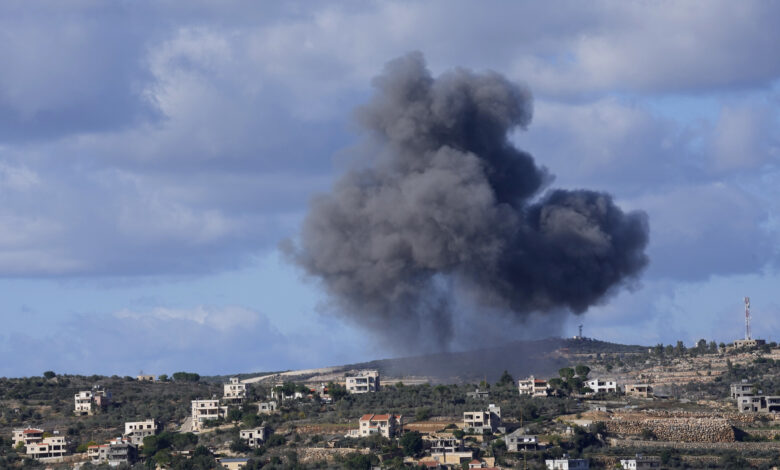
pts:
pixel 447 204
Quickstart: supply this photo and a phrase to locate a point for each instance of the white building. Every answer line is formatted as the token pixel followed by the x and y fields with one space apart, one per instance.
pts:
pixel 641 462
pixel 234 391
pixel 48 447
pixel 567 464
pixel 533 387
pixel 254 437
pixel 266 407
pixel 386 425
pixel 481 421
pixel 83 403
pixel 206 410
pixel 602 385
pixel 136 431
pixel 364 381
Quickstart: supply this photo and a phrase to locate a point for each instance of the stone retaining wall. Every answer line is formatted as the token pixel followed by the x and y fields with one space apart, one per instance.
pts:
pixel 676 429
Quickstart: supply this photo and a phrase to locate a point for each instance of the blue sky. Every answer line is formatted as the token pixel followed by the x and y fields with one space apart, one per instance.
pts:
pixel 153 155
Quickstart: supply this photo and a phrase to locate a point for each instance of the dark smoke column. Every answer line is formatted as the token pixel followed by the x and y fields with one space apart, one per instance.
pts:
pixel 447 203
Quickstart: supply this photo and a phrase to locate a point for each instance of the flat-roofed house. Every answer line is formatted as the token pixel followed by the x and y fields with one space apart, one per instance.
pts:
pixel 136 431
pixel 206 410
pixel 364 381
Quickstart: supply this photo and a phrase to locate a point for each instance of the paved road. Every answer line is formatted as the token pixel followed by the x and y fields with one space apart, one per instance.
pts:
pixel 186 426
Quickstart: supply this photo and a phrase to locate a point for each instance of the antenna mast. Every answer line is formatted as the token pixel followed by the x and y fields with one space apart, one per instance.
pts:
pixel 747 317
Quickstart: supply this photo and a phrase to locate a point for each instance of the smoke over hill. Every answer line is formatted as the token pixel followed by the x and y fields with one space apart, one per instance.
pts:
pixel 446 204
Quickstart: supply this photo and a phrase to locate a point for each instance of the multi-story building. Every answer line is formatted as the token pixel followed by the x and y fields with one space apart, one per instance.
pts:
pixel 641 462
pixel 27 436
pixel 481 421
pixel 48 447
pixel 118 451
pixel 364 381
pixel 639 390
pixel 742 389
pixel 87 401
pixel 206 410
pixel 450 451
pixel 566 463
pixel 533 387
pixel 254 437
pixel 759 404
pixel 520 440
pixel 601 385
pixel 83 403
pixel 386 425
pixel 235 392
pixel 136 431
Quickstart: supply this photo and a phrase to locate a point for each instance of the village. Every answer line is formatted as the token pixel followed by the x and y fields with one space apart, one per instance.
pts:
pixel 661 407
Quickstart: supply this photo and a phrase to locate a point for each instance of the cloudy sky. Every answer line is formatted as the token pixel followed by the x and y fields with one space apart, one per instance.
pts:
pixel 153 155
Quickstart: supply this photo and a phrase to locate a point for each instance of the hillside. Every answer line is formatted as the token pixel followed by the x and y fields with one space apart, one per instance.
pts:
pixel 521 358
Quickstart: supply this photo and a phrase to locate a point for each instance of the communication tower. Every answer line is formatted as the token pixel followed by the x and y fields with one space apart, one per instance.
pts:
pixel 747 318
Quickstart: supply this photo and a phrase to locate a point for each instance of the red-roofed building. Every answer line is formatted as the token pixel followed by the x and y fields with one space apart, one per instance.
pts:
pixel 533 386
pixel 387 425
pixel 27 436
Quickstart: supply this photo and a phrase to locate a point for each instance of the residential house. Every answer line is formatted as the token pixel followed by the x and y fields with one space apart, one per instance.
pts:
pixel 742 389
pixel 566 463
pixel 136 431
pixel 520 440
pixel 206 410
pixel 117 452
pixel 85 402
pixel 27 436
pixel 232 463
pixel 266 407
pixel 449 451
pixel 234 392
pixel 477 393
pixel 758 404
pixel 47 447
pixel 639 390
pixel 254 437
pixel 602 385
pixel 533 387
pixel 387 425
pixel 481 421
pixel 364 381
pixel 144 378
pixel 641 462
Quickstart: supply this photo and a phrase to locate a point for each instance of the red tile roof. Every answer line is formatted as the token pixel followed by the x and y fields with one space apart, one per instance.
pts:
pixel 32 431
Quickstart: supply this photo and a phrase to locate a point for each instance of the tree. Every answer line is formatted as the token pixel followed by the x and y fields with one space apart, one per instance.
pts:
pixel 336 391
pixel 505 379
pixel 566 373
pixel 582 371
pixel 49 374
pixel 186 377
pixel 411 443
pixel 163 377
pixel 234 414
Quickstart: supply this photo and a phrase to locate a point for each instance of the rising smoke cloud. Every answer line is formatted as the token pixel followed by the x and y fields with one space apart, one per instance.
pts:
pixel 447 204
